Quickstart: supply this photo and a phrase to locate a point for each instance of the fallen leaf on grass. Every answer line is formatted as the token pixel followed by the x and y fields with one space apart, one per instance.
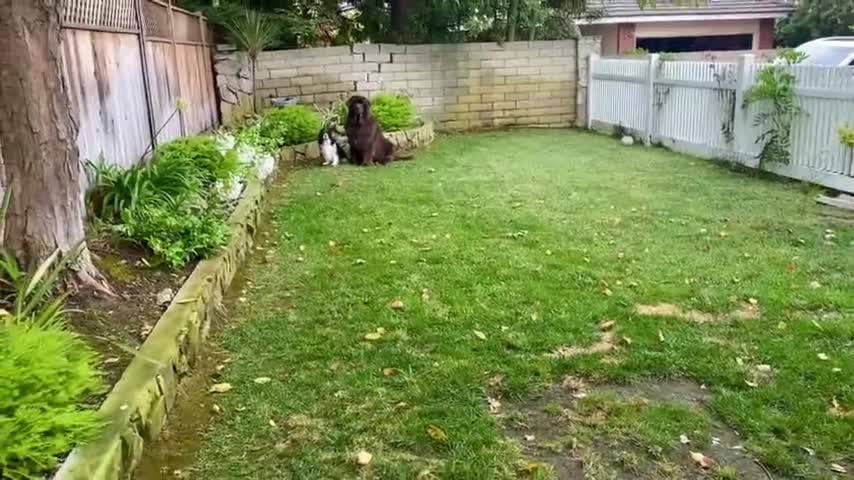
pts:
pixel 373 336
pixel 837 468
pixel 263 380
pixel 272 423
pixel 822 356
pixel 495 380
pixel 425 295
pixel 607 325
pixel 220 388
pixel 397 305
pixel 388 371
pixel 479 334
pixel 684 440
pixel 809 451
pixel 363 458
pixel 837 410
pixel 608 292
pixel 660 336
pixel 360 261
pixel 702 460
pixel 494 405
pixel 530 438
pixel 216 409
pixel 437 433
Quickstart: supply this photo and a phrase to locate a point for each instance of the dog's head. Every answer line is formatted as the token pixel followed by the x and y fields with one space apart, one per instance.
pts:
pixel 358 110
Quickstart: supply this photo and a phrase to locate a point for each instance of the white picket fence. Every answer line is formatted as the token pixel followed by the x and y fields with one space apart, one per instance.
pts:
pixel 698 108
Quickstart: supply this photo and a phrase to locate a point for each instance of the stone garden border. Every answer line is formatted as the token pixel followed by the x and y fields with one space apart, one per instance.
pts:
pixel 139 403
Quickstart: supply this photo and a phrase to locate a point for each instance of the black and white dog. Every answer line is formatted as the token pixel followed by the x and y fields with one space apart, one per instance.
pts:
pixel 332 145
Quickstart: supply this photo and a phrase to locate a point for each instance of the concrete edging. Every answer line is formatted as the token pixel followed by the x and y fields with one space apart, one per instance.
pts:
pixel 139 403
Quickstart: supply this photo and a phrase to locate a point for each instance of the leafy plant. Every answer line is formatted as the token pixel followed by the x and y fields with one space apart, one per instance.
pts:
pixel 290 125
pixel 253 32
pixel 775 86
pixel 202 156
pixel 45 374
pixel 846 135
pixel 393 111
pixel 27 295
pixel 177 231
pixel 115 189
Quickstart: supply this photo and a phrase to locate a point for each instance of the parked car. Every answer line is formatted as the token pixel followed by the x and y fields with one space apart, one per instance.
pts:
pixel 830 51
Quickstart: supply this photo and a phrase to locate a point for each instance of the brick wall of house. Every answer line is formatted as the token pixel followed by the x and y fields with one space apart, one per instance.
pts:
pixel 459 86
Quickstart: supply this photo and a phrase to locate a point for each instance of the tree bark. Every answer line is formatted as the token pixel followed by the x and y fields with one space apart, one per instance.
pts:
pixel 401 14
pixel 38 131
pixel 512 20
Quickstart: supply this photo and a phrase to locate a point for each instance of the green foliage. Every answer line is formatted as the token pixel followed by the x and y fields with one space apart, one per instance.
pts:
pixel 176 231
pixel 27 295
pixel 202 156
pixel 775 87
pixel 393 111
pixel 250 134
pixel 635 52
pixel 290 125
pixel 168 205
pixel 814 19
pixel 45 374
pixel 846 135
pixel 253 32
pixel 115 189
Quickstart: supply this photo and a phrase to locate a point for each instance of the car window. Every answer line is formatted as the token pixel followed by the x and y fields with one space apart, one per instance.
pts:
pixel 825 54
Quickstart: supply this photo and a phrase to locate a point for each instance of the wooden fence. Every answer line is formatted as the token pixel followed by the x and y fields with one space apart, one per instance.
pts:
pixel 699 108
pixel 127 64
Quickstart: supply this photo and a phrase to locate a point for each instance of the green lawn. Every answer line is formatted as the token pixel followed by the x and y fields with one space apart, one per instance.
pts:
pixel 505 248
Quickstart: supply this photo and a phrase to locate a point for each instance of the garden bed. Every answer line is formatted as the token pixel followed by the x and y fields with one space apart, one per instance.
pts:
pixel 144 384
pixel 136 408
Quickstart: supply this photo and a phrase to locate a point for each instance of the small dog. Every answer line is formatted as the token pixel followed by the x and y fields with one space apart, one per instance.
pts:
pixel 330 148
pixel 365 136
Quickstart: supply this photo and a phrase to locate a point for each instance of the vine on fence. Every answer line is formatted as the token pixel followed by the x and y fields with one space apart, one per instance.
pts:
pixel 775 85
pixel 725 78
pixel 846 136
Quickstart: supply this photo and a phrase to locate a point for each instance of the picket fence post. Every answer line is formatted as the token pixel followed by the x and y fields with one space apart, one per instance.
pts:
pixel 740 120
pixel 591 64
pixel 650 99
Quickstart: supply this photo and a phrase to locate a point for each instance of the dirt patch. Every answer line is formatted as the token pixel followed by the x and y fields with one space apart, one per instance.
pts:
pixel 604 345
pixel 115 327
pixel 570 432
pixel 745 311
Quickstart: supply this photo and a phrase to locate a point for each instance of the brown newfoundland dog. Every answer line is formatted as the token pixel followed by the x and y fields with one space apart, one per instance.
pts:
pixel 367 142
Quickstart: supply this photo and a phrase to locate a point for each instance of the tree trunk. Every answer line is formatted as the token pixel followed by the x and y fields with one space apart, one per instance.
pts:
pixel 512 20
pixel 254 64
pixel 401 14
pixel 38 132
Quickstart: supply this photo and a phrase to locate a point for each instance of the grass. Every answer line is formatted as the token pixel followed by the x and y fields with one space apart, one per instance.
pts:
pixel 531 238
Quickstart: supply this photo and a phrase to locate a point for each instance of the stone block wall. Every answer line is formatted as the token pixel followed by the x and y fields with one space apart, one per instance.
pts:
pixel 458 86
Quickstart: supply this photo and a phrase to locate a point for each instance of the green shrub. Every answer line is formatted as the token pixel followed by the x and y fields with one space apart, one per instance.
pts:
pixel 45 374
pixel 115 189
pixel 177 231
pixel 393 111
pixel 290 125
pixel 203 156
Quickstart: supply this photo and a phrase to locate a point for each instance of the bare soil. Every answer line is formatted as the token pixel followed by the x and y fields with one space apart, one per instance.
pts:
pixel 115 327
pixel 576 447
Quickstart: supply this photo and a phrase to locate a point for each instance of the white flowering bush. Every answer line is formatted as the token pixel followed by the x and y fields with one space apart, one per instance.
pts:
pixel 254 158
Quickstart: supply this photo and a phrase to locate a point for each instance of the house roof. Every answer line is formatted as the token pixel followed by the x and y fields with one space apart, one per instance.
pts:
pixel 692 8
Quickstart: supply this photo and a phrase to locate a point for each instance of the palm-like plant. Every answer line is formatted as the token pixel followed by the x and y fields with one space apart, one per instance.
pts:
pixel 253 32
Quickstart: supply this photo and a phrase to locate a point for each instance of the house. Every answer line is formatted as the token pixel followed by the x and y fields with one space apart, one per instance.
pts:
pixel 701 25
